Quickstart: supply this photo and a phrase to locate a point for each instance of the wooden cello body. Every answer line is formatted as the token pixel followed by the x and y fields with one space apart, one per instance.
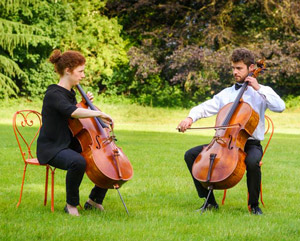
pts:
pixel 221 164
pixel 107 165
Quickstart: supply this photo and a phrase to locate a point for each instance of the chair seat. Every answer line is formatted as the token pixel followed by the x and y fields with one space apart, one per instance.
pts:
pixel 34 161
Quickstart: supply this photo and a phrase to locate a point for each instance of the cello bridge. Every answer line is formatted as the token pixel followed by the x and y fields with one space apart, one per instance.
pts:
pixel 220 140
pixel 217 139
pixel 109 140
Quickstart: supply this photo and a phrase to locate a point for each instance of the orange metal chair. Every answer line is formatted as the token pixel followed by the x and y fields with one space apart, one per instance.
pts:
pixel 269 124
pixel 27 125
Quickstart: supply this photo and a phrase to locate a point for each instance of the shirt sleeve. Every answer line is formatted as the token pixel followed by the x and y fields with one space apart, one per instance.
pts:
pixel 61 104
pixel 273 101
pixel 207 108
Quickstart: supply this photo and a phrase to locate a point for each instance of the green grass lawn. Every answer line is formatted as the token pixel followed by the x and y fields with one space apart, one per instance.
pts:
pixel 161 197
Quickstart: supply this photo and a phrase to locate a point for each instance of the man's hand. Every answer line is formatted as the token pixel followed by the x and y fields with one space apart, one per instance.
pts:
pixel 186 123
pixel 252 82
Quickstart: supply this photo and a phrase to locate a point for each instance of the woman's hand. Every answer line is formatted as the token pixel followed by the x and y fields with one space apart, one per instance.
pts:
pixel 90 96
pixel 107 119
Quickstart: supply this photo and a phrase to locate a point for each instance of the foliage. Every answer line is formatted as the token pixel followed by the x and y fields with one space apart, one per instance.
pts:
pixel 98 38
pixel 152 91
pixel 24 43
pixel 8 69
pixel 188 43
pixel 292 102
pixel 153 52
pixel 12 36
pixel 77 25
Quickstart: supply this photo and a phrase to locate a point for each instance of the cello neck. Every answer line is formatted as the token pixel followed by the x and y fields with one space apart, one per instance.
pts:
pixel 235 104
pixel 90 104
pixel 84 96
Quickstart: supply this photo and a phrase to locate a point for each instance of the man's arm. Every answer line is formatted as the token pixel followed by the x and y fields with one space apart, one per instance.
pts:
pixel 273 101
pixel 205 109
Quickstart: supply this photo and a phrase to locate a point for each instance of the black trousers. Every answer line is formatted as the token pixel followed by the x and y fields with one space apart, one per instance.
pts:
pixel 254 152
pixel 75 165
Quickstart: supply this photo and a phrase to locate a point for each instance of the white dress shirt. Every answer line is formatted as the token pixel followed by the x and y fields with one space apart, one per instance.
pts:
pixel 259 100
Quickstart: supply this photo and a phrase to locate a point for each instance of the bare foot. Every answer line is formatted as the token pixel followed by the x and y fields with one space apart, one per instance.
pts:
pixel 96 205
pixel 72 210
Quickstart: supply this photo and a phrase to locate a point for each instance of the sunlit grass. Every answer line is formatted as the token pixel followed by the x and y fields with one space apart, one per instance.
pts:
pixel 161 198
pixel 145 118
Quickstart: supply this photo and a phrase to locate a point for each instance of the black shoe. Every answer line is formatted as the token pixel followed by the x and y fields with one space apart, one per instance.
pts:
pixel 208 207
pixel 66 209
pixel 88 206
pixel 256 210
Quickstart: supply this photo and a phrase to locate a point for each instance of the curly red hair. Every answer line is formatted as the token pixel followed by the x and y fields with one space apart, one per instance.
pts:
pixel 69 59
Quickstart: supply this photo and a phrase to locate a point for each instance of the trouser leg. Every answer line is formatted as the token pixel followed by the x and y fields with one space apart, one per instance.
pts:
pixel 254 154
pixel 98 194
pixel 75 165
pixel 190 157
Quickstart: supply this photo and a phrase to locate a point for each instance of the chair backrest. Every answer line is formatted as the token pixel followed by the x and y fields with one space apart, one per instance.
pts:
pixel 27 125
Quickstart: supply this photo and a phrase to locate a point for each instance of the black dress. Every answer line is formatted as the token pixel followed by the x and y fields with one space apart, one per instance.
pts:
pixel 57 147
pixel 58 105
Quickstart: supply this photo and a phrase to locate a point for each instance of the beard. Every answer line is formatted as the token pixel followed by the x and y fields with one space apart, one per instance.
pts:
pixel 240 80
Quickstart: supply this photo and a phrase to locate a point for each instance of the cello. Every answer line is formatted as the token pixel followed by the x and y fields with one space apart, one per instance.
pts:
pixel 221 164
pixel 107 165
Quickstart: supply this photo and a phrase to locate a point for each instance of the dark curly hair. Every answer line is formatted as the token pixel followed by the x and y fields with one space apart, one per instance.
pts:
pixel 244 55
pixel 69 59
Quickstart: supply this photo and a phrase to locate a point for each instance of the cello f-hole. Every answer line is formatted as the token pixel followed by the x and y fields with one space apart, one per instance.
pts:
pixel 98 146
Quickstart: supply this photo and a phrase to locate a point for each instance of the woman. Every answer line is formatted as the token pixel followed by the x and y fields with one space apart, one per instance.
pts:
pixel 55 144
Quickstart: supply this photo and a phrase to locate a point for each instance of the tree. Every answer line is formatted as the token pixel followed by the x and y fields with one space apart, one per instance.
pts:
pixel 189 42
pixel 13 35
pixel 98 38
pixel 38 27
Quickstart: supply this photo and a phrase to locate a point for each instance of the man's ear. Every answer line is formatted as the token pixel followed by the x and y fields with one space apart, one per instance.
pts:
pixel 251 67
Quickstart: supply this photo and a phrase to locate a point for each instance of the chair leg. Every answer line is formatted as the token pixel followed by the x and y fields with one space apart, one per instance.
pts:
pixel 46 185
pixel 224 196
pixel 261 195
pixel 248 206
pixel 23 179
pixel 52 189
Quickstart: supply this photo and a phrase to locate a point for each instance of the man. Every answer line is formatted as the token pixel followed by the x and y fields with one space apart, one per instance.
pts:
pixel 259 97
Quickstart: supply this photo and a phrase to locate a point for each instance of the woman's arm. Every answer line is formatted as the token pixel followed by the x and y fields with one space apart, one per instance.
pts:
pixel 87 113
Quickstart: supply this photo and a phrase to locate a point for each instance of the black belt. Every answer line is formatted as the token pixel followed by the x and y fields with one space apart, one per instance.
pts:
pixel 253 142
